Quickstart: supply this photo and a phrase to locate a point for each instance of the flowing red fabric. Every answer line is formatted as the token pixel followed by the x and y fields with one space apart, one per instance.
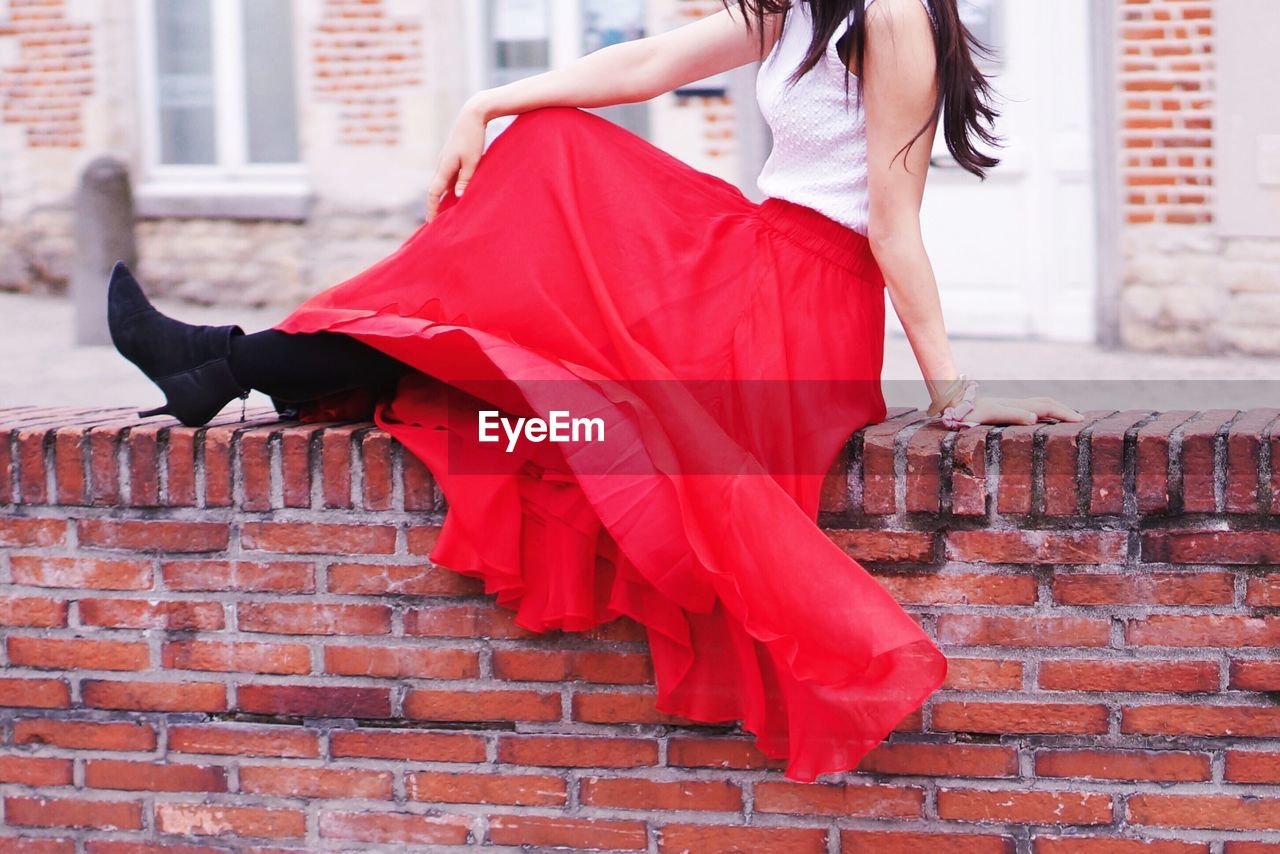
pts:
pixel 730 346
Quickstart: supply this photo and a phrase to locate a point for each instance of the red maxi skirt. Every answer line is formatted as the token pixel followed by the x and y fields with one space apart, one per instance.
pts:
pixel 728 347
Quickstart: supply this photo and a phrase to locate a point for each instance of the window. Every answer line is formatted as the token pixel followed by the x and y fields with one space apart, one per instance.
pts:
pixel 218 86
pixel 527 37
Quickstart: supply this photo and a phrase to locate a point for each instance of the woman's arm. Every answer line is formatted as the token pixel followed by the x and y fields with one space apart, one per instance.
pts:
pixel 618 74
pixel 900 89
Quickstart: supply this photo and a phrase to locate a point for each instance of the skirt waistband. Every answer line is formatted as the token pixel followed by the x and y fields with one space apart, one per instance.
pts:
pixel 819 233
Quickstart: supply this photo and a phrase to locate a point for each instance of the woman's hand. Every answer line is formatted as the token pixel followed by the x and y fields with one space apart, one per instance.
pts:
pixel 460 155
pixel 1020 410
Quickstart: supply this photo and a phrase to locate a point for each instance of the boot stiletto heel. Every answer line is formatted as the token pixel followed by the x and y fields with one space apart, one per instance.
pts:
pixel 187 361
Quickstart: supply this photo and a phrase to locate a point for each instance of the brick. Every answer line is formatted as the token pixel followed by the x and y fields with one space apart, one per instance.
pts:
pixel 401 828
pixel 594 833
pixel 482 705
pixel 1022 807
pixel 1198 450
pixel 32 474
pixel 336 465
pixel 172 614
pixel 35 771
pixel 834 496
pixel 180 467
pixel 318 538
pixel 72 812
pixel 983 674
pixel 410 746
pixel 321 701
pixel 1155 588
pixel 77 653
pixel 839 800
pixel 923 452
pixel 639 794
pixel 295 464
pixel 1241 492
pixel 32 611
pixel 968 472
pixel 1062 483
pixel 315 782
pixel 885 546
pixel 961 588
pixel 1262 676
pixel 422 539
pixel 224 819
pixel 307 618
pixel 1253 766
pixel 1151 477
pixel 1129 675
pixel 401 662
pixel 142 452
pixel 84 735
pixel 1263 592
pixel 505 788
pixel 580 751
pixel 730 839
pixel 375 469
pixel 1213 547
pixel 1209 812
pixel 906 842
pixel 35 693
pixel 45 571
pixel 400 580
pixel 1037 631
pixel 1014 483
pixel 239 739
pixel 1106 451
pixel 1155 765
pixel 244 575
pixel 464 621
pixel 1112 845
pixel 572 666
pixel 419 487
pixel 104 467
pixel 153 536
pixel 1171 719
pixel 255 469
pixel 70 452
pixel 236 657
pixel 608 707
pixel 1030 717
pixel 24 532
pixel 154 776
pixel 141 696
pixel 1227 630
pixel 941 760
pixel 1035 547
pixel 693 752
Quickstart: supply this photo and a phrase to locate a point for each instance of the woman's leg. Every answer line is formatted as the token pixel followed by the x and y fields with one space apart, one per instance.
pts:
pixel 300 366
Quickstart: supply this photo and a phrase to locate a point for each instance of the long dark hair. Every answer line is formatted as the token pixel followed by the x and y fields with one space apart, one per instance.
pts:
pixel 964 91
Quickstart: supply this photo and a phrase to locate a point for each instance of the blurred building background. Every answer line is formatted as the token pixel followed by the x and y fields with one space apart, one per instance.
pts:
pixel 278 146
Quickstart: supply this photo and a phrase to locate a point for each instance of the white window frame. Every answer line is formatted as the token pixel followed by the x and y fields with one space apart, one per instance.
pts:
pixel 232 174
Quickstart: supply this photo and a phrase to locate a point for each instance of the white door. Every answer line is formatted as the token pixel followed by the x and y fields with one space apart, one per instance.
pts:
pixel 1014 256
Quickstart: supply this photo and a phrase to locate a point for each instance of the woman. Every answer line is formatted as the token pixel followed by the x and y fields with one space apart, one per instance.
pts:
pixel 726 348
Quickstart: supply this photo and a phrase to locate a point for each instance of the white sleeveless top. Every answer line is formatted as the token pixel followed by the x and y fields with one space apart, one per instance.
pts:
pixel 819 156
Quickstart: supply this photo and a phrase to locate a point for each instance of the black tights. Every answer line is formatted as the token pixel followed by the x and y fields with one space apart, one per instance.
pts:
pixel 301 366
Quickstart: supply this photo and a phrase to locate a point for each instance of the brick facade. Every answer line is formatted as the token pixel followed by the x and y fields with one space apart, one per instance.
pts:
pixel 231 634
pixel 48 73
pixel 1166 77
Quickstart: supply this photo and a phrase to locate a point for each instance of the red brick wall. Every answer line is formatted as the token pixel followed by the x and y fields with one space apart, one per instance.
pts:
pixel 233 630
pixel 45 89
pixel 1166 104
pixel 364 61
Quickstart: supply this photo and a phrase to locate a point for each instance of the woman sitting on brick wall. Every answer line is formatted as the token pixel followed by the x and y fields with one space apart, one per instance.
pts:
pixel 725 349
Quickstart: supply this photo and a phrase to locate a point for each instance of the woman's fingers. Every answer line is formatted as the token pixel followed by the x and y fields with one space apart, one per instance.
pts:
pixel 467 169
pixel 1047 407
pixel 444 177
pixel 999 411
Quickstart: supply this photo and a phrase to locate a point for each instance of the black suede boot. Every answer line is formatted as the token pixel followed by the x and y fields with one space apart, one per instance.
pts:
pixel 187 361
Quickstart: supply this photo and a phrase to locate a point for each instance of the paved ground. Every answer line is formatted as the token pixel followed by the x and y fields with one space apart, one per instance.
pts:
pixel 43 367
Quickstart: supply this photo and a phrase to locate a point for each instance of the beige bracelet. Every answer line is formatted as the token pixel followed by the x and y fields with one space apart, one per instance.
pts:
pixel 950 395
